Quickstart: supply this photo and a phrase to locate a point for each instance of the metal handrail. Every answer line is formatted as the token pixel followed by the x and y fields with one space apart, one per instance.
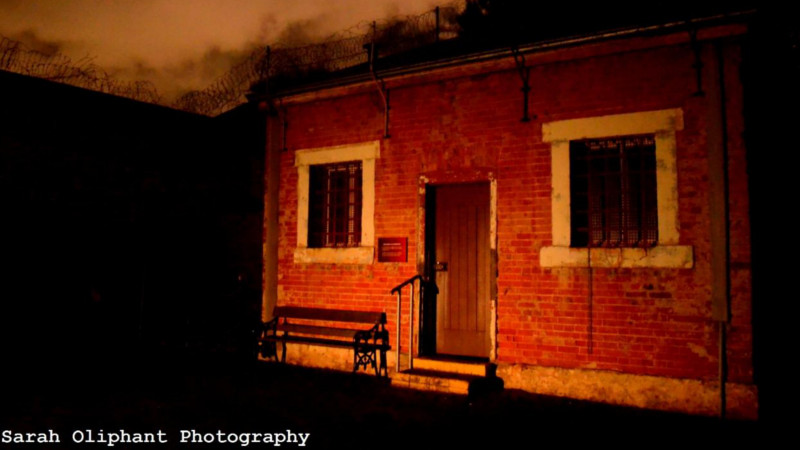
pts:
pixel 399 291
pixel 406 283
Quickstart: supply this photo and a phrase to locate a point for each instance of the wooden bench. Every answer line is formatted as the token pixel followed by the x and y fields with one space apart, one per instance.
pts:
pixel 363 331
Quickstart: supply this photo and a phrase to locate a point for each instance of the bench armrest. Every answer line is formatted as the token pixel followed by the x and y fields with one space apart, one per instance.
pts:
pixel 374 334
pixel 270 326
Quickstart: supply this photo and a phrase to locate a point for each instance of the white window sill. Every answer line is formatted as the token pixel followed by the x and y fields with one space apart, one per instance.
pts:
pixel 351 255
pixel 661 256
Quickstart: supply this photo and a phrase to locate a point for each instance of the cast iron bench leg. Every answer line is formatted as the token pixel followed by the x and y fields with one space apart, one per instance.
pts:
pixel 268 349
pixel 364 355
pixel 384 369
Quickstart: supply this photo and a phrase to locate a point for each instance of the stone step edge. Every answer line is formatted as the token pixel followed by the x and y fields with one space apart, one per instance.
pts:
pixel 433 381
pixel 448 366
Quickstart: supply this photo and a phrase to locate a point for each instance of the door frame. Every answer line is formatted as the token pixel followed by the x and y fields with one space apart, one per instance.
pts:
pixel 425 213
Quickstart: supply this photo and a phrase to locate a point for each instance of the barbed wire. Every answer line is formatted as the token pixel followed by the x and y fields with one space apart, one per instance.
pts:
pixel 340 51
pixel 278 63
pixel 15 57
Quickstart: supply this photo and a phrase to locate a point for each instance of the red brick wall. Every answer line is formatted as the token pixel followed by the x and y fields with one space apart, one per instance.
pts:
pixel 645 321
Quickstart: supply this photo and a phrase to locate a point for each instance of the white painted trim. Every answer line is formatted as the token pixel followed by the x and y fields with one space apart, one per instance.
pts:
pixel 367 201
pixel 367 153
pixel 492 213
pixel 302 206
pixel 493 273
pixel 338 153
pixel 613 125
pixel 348 255
pixel 663 124
pixel 560 212
pixel 661 256
pixel 667 188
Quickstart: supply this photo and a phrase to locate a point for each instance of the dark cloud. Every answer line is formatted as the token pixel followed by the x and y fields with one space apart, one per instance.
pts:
pixel 182 45
pixel 213 61
pixel 31 40
pixel 300 32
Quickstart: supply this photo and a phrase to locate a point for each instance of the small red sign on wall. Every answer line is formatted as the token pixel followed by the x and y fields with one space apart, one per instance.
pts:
pixel 394 249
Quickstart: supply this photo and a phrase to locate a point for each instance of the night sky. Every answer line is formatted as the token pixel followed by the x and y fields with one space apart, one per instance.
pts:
pixel 182 45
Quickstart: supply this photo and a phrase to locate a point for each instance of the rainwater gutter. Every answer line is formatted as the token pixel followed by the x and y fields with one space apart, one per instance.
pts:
pixel 379 83
pixel 721 310
pixel 505 52
pixel 718 203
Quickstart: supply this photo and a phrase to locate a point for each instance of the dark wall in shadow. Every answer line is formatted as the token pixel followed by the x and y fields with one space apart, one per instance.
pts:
pixel 124 226
pixel 770 76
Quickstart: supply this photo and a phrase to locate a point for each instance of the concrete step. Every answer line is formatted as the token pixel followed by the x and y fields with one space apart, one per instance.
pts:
pixel 451 366
pixel 432 380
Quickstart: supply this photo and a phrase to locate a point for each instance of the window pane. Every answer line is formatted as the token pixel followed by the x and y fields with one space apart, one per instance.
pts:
pixel 613 192
pixel 335 205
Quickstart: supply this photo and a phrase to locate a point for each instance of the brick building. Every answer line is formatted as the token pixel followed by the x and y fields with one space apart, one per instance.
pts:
pixel 581 204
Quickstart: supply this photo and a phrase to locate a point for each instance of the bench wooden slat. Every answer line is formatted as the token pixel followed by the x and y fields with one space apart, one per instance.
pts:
pixel 323 341
pixel 333 315
pixel 317 331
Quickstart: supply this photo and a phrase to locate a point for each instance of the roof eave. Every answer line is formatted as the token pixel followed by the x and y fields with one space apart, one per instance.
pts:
pixel 503 52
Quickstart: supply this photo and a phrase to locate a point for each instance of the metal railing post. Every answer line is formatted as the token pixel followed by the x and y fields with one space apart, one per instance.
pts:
pixel 399 289
pixel 397 351
pixel 411 329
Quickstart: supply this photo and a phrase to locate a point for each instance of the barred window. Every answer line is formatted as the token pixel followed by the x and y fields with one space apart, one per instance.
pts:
pixel 613 192
pixel 334 213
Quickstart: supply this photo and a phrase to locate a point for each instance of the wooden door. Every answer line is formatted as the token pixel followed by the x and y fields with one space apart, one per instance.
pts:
pixel 462 263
